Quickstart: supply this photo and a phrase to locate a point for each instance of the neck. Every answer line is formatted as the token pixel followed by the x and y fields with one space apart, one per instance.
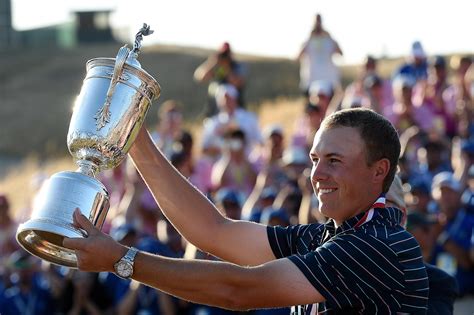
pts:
pixel 367 207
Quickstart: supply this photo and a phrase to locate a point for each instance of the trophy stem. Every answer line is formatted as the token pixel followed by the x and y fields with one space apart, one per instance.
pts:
pixel 87 167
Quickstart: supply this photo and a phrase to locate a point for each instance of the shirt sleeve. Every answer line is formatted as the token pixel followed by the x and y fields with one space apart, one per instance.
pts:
pixel 283 240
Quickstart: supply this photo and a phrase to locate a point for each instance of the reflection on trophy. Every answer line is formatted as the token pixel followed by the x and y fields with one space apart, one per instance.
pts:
pixel 107 115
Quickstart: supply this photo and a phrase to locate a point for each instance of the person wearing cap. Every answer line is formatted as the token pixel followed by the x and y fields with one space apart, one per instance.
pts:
pixel 260 198
pixel 421 226
pixel 229 201
pixel 419 193
pixel 451 252
pixel 416 66
pixel 269 154
pixel 316 55
pixel 375 92
pixel 322 93
pixel 307 125
pixel 221 68
pixel 233 169
pixel 321 102
pixel 360 261
pixel 231 117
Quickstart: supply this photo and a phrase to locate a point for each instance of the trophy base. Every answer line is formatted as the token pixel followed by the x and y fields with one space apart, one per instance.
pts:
pixel 52 217
pixel 45 240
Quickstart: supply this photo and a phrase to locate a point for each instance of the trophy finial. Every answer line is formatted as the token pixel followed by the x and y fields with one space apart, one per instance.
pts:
pixel 144 31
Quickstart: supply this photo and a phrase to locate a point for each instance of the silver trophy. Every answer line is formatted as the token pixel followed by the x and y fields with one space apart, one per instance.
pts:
pixel 107 116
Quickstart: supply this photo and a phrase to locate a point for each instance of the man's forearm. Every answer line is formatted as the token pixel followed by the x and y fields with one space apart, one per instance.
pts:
pixel 278 283
pixel 188 210
pixel 193 215
pixel 205 282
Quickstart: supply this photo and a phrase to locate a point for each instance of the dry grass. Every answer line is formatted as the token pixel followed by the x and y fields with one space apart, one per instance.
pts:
pixel 282 111
pixel 19 183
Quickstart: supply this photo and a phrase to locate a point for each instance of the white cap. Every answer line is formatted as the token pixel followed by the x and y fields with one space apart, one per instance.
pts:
pixel 295 155
pixel 403 80
pixel 226 89
pixel 444 179
pixel 321 87
pixel 417 50
pixel 272 129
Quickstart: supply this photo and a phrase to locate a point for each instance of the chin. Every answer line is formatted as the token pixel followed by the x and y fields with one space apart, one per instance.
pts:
pixel 326 211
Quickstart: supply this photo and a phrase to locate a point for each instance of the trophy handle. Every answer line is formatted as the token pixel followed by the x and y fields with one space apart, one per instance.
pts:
pixel 102 116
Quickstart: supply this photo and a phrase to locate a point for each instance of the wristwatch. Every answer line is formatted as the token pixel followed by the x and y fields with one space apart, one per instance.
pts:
pixel 124 267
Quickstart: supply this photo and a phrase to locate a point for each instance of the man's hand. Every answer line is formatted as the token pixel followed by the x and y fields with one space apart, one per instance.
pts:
pixel 98 251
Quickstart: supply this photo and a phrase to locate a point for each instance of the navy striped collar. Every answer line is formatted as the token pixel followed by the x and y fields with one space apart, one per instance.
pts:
pixel 392 215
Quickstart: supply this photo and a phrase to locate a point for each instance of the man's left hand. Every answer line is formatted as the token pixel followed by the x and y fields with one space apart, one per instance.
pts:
pixel 98 251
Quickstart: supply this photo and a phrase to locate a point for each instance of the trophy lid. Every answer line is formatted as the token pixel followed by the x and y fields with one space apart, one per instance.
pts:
pixel 133 54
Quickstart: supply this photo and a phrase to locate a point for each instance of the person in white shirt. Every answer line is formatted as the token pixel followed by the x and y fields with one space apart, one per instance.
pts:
pixel 231 117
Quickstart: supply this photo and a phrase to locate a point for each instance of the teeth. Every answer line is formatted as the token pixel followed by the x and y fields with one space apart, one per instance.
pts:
pixel 326 191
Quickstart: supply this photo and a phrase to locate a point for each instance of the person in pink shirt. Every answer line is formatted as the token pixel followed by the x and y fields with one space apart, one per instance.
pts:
pixel 436 96
pixel 403 114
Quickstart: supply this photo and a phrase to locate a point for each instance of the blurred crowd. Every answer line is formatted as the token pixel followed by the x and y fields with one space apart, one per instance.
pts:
pixel 261 173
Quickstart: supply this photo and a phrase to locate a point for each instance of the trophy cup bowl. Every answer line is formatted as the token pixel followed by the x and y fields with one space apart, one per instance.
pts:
pixel 108 114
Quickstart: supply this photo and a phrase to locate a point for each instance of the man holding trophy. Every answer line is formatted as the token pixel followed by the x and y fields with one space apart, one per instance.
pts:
pixel 362 260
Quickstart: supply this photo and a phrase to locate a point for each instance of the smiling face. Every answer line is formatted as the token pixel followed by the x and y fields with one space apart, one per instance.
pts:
pixel 342 180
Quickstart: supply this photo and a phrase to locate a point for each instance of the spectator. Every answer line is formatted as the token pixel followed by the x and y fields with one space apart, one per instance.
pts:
pixel 421 226
pixel 416 66
pixel 403 113
pixel 229 202
pixel 221 68
pixel 8 228
pixel 88 294
pixel 370 88
pixel 169 127
pixel 316 58
pixel 230 117
pixel 433 96
pixel 306 126
pixel 275 217
pixel 268 159
pixel 27 295
pixel 271 151
pixel 459 88
pixel 202 170
pixel 420 196
pixel 234 170
pixel 453 243
pixel 433 158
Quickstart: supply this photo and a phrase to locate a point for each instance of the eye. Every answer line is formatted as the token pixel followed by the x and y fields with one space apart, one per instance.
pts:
pixel 315 160
pixel 333 160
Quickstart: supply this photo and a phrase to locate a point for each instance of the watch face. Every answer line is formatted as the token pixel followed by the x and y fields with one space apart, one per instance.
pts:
pixel 124 269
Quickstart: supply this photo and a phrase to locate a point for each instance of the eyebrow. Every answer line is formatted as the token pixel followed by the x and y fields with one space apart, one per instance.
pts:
pixel 328 155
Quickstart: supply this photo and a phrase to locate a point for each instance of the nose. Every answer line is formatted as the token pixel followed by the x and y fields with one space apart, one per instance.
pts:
pixel 318 172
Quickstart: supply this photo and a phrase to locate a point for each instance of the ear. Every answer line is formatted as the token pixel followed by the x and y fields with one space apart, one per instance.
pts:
pixel 380 170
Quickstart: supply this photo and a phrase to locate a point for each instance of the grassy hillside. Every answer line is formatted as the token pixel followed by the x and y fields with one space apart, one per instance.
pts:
pixel 19 182
pixel 38 87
